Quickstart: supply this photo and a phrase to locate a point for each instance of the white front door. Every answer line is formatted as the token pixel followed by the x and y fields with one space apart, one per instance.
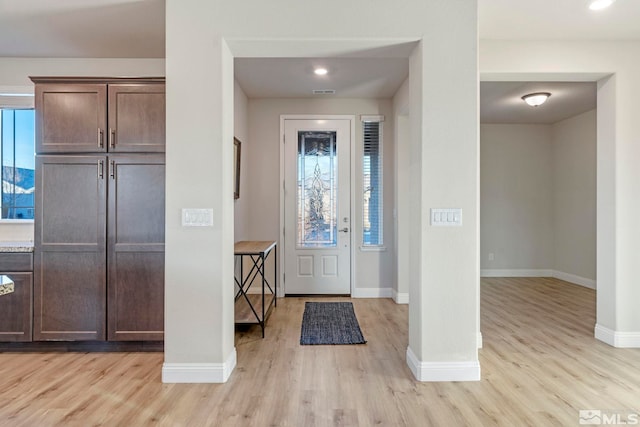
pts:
pixel 317 225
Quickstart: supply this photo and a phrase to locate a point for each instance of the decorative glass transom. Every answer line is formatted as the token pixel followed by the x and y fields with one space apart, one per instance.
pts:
pixel 317 189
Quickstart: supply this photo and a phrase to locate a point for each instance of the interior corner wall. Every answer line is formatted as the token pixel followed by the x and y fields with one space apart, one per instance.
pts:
pixel 574 186
pixel 241 132
pixel 516 199
pixel 374 272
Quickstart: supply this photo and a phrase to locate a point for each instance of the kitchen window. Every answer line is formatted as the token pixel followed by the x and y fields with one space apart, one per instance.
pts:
pixel 17 136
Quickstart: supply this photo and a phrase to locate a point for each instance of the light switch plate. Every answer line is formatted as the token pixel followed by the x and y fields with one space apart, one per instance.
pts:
pixel 197 217
pixel 449 217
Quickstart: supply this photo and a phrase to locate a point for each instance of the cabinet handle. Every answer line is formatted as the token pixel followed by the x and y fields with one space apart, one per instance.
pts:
pixel 112 138
pixel 112 169
pixel 100 138
pixel 100 169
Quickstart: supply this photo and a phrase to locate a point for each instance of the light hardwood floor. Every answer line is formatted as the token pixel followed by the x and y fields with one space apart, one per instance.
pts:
pixel 540 365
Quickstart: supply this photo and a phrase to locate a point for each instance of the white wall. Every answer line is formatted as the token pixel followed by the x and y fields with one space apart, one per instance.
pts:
pixel 574 186
pixel 241 131
pixel 15 72
pixel 16 231
pixel 538 199
pixel 444 262
pixel 615 66
pixel 14 78
pixel 401 112
pixel 374 271
pixel 516 197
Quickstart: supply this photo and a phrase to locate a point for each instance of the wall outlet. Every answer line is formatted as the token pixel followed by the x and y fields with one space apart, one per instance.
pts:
pixel 491 257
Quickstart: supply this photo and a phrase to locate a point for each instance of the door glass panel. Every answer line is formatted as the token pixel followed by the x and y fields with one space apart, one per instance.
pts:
pixel 317 189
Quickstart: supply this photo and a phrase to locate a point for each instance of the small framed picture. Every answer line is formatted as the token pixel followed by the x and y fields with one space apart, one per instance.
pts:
pixel 236 175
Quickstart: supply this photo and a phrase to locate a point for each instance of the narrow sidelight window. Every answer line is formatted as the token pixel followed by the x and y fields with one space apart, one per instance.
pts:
pixel 372 180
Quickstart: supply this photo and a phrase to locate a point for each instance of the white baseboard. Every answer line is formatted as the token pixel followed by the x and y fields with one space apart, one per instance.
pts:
pixel 191 373
pixel 576 280
pixel 371 293
pixel 567 277
pixel 516 273
pixel 617 339
pixel 479 339
pixel 443 371
pixel 400 297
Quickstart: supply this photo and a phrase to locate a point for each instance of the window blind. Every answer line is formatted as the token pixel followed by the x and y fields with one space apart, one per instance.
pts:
pixel 372 181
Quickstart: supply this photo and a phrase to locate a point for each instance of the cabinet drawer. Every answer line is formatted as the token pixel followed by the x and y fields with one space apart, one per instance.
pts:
pixel 16 261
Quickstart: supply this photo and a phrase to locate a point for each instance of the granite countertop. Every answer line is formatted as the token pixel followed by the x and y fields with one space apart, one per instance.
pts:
pixel 16 246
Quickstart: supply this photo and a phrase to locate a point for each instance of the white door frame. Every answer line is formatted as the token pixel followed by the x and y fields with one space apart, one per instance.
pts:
pixel 352 121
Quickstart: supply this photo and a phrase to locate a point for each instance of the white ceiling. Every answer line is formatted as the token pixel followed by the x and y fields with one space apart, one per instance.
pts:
pixel 558 20
pixel 135 29
pixel 82 28
pixel 294 77
pixel 501 102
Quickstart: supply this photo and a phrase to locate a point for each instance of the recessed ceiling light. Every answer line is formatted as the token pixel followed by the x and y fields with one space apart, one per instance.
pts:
pixel 537 98
pixel 320 71
pixel 600 4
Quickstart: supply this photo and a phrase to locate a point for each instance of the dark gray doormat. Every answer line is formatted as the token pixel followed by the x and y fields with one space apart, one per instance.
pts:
pixel 330 323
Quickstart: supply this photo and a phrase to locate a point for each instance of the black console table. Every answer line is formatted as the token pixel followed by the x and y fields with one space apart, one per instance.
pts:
pixel 254 308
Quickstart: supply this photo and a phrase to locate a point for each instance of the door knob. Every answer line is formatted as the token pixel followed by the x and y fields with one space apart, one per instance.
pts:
pixel 344 230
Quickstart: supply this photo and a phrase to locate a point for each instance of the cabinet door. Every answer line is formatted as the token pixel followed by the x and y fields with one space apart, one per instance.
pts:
pixel 70 118
pixel 136 247
pixel 70 248
pixel 15 309
pixel 137 117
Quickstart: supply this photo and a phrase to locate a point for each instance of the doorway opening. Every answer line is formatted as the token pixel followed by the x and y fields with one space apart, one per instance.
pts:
pixel 538 183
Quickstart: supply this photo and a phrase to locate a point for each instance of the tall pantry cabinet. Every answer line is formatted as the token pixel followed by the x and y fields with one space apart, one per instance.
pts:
pixel 99 221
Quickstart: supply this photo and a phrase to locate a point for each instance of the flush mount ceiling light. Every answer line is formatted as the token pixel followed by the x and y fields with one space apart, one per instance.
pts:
pixel 600 4
pixel 537 98
pixel 320 71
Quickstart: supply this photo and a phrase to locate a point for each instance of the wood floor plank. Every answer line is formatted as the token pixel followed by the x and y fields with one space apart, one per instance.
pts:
pixel 540 366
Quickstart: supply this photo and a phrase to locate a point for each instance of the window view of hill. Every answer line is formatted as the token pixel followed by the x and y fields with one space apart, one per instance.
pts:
pixel 18 185
pixel 18 163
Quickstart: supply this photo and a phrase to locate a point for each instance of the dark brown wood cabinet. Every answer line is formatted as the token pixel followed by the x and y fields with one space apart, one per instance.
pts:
pixel 71 118
pixel 99 223
pixel 70 248
pixel 96 116
pixel 16 307
pixel 136 118
pixel 136 247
